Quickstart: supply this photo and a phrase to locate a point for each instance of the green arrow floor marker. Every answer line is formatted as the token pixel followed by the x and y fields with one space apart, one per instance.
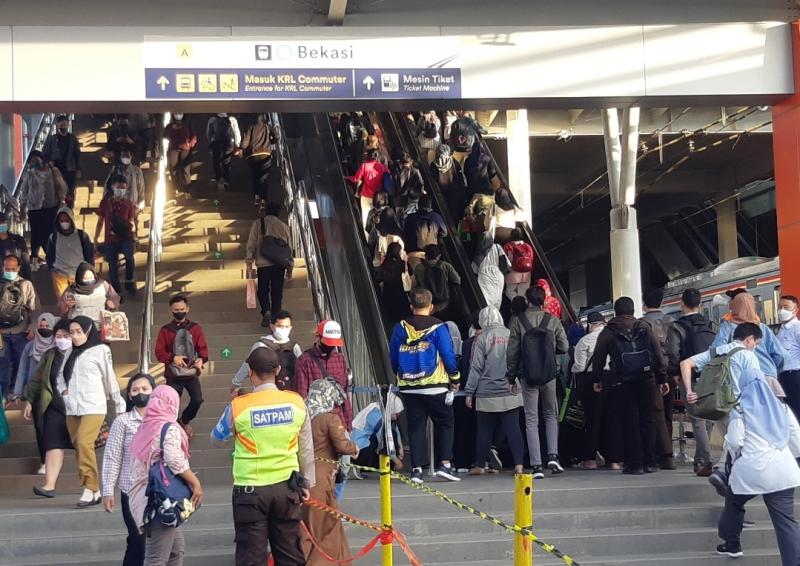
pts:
pixel 217 255
pixel 226 353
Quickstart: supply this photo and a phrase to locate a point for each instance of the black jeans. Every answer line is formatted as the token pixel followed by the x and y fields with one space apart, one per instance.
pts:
pixel 112 251
pixel 790 381
pixel 180 167
pixel 418 409
pixel 70 180
pixel 134 553
pixel 267 514
pixel 635 405
pixel 192 386
pixel 222 157
pixel 260 167
pixel 41 222
pixel 270 288
pixel 507 425
pixel 780 505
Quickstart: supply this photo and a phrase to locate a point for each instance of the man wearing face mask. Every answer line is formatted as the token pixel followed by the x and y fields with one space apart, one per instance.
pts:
pixel 279 342
pixel 14 244
pixel 67 248
pixel 19 308
pixel 63 151
pixel 118 216
pixel 182 140
pixel 42 189
pixel 323 360
pixel 181 346
pixel 789 335
pixel 224 137
pixel 133 175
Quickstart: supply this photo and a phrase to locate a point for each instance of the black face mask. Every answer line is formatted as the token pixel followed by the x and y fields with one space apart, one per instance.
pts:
pixel 45 332
pixel 326 350
pixel 140 400
pixel 63 131
pixel 179 315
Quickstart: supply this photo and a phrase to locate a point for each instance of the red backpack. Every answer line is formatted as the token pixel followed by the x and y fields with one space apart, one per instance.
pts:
pixel 521 256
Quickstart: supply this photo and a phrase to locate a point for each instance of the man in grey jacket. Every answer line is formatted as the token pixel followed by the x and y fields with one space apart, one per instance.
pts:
pixel 530 394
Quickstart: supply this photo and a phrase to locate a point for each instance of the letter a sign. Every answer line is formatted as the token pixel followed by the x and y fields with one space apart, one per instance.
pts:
pixel 184 51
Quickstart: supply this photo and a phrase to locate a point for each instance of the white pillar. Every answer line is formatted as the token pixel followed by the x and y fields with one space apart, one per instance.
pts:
pixel 519 160
pixel 626 271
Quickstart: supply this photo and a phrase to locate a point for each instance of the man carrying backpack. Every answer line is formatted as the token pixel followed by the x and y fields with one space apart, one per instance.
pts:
pixel 422 228
pixel 436 275
pixel 19 306
pixel 279 342
pixel 118 215
pixel 223 137
pixel 661 323
pixel 269 247
pixel 729 360
pixel 520 254
pixel 422 355
pixel 692 334
pixel 181 346
pixel 638 371
pixel 536 337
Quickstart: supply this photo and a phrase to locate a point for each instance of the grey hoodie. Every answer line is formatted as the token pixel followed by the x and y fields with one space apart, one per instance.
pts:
pixel 487 369
pixel 66 251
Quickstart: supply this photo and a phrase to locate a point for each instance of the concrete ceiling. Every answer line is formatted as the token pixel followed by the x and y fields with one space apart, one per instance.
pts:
pixel 185 13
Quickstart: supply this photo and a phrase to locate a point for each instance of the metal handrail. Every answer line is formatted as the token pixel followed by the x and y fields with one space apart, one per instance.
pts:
pixel 154 249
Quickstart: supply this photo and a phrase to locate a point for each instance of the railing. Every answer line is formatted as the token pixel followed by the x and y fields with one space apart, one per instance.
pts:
pixel 154 248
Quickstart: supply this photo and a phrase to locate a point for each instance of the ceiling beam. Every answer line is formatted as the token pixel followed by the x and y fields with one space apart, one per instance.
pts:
pixel 336 12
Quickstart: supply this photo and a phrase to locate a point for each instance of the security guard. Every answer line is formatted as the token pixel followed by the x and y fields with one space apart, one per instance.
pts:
pixel 273 465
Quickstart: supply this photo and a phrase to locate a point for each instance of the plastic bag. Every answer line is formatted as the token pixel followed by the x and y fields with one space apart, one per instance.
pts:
pixel 572 410
pixel 114 326
pixel 251 294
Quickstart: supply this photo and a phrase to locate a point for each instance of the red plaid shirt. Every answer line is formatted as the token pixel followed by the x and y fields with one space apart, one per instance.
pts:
pixel 308 369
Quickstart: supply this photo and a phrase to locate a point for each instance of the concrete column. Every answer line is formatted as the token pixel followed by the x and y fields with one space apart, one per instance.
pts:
pixel 727 234
pixel 626 271
pixel 7 151
pixel 519 160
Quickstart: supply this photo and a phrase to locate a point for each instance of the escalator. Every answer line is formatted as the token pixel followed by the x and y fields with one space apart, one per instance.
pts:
pixel 542 266
pixel 323 221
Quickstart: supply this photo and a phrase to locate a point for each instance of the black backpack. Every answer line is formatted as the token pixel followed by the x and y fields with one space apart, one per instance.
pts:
pixel 632 356
pixel 13 310
pixel 275 249
pixel 434 279
pixel 427 233
pixel 287 360
pixel 183 345
pixel 221 132
pixel 429 130
pixel 697 338
pixel 538 352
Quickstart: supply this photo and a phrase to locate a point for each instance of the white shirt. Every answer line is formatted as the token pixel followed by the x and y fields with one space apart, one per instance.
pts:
pixel 740 361
pixel 93 381
pixel 759 467
pixel 584 350
pixel 789 335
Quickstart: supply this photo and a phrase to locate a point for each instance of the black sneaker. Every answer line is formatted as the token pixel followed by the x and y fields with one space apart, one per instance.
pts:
pixel 416 475
pixel 553 464
pixel 538 473
pixel 651 469
pixel 447 472
pixel 266 319
pixel 633 471
pixel 719 480
pixel 731 550
pixel 495 462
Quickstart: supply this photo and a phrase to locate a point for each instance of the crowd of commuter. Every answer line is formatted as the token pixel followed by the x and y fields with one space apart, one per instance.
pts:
pixel 604 392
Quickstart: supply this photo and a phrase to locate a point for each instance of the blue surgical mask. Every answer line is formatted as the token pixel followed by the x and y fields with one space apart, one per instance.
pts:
pixel 3 228
pixel 10 275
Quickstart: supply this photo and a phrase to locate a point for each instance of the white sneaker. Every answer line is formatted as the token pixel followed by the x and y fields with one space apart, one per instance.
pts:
pixel 41 471
pixel 87 495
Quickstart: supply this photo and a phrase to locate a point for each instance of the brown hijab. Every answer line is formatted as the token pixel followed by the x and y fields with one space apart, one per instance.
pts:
pixel 743 309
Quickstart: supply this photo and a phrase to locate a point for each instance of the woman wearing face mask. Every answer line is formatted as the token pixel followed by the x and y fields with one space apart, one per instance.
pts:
pixel 118 458
pixel 88 296
pixel 46 406
pixel 89 381
pixel 32 354
pixel 67 247
pixel 41 190
pixel 182 140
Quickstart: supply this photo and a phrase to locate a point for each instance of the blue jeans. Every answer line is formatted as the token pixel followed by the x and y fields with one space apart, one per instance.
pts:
pixel 9 359
pixel 112 251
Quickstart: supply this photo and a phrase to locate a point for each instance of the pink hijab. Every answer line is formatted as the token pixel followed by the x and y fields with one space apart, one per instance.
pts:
pixel 162 408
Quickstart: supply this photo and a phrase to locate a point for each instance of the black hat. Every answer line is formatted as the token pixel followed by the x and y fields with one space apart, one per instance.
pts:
pixel 733 292
pixel 263 361
pixel 594 317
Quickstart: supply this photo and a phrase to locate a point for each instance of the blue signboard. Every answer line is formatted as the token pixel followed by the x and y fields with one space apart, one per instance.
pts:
pixel 312 84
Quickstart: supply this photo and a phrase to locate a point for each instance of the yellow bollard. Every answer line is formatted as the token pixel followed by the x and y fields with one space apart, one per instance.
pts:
pixel 523 517
pixel 386 508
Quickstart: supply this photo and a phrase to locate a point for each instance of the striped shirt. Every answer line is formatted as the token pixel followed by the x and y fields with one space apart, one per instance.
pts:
pixel 117 458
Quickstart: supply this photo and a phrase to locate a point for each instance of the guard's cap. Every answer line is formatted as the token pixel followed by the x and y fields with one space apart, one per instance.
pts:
pixel 263 361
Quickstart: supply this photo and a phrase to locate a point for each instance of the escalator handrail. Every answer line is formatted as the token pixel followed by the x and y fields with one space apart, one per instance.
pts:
pixel 456 254
pixel 530 236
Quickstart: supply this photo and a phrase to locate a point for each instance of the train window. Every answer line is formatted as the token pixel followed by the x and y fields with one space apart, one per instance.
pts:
pixel 769 314
pixel 759 306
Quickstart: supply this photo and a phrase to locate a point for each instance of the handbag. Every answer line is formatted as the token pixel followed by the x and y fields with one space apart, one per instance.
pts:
pixel 573 412
pixel 275 249
pixel 114 326
pixel 407 281
pixel 169 498
pixel 102 436
pixel 251 294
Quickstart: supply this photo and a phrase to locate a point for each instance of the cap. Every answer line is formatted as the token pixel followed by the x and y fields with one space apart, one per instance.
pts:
pixel 595 316
pixel 330 333
pixel 733 292
pixel 263 360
